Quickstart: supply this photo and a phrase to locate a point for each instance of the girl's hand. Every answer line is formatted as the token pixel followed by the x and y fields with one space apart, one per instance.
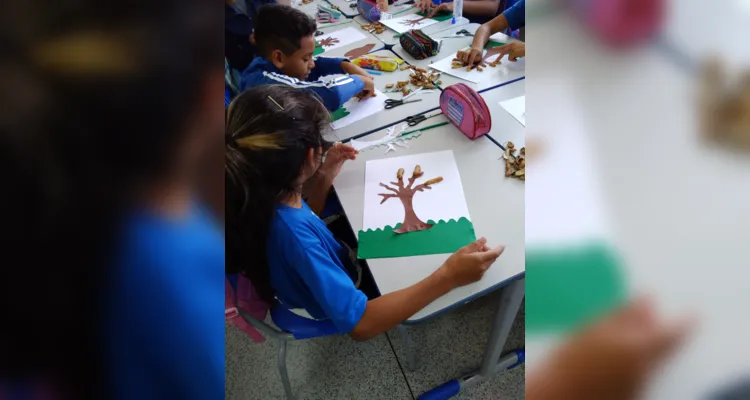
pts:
pixel 425 5
pixel 612 359
pixel 473 56
pixel 442 8
pixel 335 158
pixel 513 50
pixel 469 263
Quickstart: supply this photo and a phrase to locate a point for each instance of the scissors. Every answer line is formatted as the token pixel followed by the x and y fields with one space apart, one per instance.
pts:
pixel 415 120
pixel 390 103
pixel 459 34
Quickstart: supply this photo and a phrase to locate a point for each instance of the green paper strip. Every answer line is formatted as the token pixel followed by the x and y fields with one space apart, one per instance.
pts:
pixel 338 114
pixel 439 18
pixel 492 44
pixel 318 49
pixel 443 237
pixel 568 287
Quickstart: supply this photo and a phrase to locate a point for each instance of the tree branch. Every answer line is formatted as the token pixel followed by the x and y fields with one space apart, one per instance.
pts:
pixel 386 196
pixel 415 175
pixel 389 188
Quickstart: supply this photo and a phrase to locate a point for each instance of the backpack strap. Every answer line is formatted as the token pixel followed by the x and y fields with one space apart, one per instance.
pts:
pixel 232 314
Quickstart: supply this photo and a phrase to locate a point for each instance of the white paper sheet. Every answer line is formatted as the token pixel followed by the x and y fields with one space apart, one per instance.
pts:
pixel 359 109
pixel 345 37
pixel 475 75
pixel 444 201
pixel 517 108
pixel 500 37
pixel 401 25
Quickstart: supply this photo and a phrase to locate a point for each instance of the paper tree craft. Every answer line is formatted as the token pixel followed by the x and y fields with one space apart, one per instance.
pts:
pixel 410 217
pixel 406 195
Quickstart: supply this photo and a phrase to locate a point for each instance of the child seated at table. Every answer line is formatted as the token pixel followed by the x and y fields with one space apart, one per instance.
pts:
pixel 284 37
pixel 275 153
pixel 513 18
pixel 476 11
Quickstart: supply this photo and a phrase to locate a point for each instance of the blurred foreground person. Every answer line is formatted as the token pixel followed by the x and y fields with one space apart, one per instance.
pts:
pixel 612 359
pixel 116 281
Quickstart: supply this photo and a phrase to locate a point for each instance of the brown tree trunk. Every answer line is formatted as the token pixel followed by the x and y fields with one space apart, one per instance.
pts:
pixel 411 221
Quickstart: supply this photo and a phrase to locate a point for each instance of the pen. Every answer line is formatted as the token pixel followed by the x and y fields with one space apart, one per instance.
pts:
pixel 373 72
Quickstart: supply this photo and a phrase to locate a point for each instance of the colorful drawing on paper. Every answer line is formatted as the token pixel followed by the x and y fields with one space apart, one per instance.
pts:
pixel 408 22
pixel 356 109
pixel 430 217
pixel 334 40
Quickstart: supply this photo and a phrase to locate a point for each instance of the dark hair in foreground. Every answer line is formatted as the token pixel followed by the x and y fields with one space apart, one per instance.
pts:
pixel 266 151
pixel 281 27
pixel 95 102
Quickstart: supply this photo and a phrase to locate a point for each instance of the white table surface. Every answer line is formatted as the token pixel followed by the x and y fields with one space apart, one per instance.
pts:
pixel 388 117
pixel 435 31
pixel 343 6
pixel 310 9
pixel 341 51
pixel 504 126
pixel 496 207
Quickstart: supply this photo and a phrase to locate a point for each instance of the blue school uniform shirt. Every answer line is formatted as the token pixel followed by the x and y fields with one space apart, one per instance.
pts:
pixel 334 93
pixel 516 15
pixel 310 269
pixel 165 326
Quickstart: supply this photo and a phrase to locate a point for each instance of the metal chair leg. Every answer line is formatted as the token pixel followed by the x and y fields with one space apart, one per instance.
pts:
pixel 410 360
pixel 283 374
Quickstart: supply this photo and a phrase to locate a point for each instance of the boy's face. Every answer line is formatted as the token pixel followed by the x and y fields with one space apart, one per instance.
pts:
pixel 298 64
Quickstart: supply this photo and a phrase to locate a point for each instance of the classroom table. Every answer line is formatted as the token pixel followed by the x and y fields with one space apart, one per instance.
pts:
pixel 341 51
pixel 495 203
pixel 504 126
pixel 310 8
pixel 429 100
pixel 496 207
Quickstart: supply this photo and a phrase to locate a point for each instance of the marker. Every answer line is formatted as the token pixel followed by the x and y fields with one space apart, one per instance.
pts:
pixel 373 72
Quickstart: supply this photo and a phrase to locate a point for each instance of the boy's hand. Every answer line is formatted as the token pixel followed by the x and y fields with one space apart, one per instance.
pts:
pixel 335 158
pixel 469 263
pixel 513 50
pixel 369 90
pixel 609 360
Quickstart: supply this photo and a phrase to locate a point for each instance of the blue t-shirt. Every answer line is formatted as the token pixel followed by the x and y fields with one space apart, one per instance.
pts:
pixel 165 322
pixel 310 269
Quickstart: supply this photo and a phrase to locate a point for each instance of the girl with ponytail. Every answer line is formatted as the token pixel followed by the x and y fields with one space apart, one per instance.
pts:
pixel 275 153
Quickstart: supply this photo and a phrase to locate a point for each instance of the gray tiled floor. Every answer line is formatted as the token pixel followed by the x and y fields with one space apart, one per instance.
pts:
pixel 339 368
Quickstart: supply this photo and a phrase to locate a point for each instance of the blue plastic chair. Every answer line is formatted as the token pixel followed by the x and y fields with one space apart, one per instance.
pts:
pixel 290 327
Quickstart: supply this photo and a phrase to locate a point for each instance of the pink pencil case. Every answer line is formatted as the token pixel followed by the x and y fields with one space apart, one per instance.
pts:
pixel 466 109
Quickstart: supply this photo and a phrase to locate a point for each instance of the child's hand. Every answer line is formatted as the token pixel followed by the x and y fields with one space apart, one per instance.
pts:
pixel 469 263
pixel 425 5
pixel 473 56
pixel 611 359
pixel 335 158
pixel 513 50
pixel 369 90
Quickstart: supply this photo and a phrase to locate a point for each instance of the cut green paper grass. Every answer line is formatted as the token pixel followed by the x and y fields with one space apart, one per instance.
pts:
pixel 492 44
pixel 338 114
pixel 318 49
pixel 439 18
pixel 567 287
pixel 443 237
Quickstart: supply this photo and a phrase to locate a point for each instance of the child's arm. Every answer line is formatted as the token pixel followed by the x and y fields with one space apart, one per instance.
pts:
pixel 333 93
pixel 466 266
pixel 514 18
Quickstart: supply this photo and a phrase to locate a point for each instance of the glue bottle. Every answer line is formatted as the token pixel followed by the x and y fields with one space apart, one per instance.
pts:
pixel 458 10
